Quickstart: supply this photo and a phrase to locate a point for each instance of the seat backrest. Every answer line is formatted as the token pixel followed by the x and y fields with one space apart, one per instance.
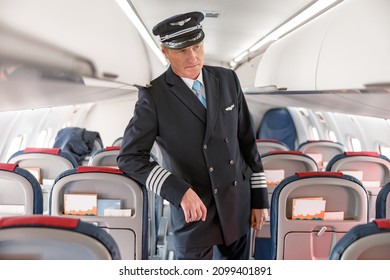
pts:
pixel 45 164
pixel 277 166
pixel 267 145
pixel 48 162
pixel 108 157
pixel 383 203
pixel 109 199
pixel 310 211
pixel 371 168
pixel 78 142
pixel 41 237
pixel 105 157
pixel 281 164
pixel 117 142
pixel 278 124
pixel 20 192
pixel 364 242
pixel 325 149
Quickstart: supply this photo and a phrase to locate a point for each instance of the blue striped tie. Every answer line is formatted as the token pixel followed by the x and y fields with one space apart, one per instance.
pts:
pixel 196 88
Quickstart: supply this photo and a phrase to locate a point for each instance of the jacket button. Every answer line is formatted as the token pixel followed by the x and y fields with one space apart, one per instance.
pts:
pixel 235 183
pixel 211 169
pixel 205 147
pixel 215 191
pixel 231 162
pixel 226 140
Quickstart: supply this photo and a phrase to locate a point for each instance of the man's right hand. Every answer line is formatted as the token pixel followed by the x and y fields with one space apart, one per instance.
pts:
pixel 193 207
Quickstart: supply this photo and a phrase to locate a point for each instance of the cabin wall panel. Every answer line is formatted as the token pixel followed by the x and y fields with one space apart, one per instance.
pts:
pixel 7 122
pixel 110 118
pixel 25 123
pixel 376 132
pixel 302 123
pixel 349 127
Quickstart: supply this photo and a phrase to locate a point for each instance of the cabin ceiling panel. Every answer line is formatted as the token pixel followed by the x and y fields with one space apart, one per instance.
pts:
pixel 240 25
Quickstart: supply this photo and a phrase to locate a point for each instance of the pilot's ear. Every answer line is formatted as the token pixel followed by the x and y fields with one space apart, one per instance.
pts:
pixel 163 49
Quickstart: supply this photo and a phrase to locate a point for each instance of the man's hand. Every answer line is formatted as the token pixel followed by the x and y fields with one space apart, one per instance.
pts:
pixel 193 207
pixel 258 217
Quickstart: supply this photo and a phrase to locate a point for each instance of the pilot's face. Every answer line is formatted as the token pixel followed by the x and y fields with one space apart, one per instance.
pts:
pixel 186 62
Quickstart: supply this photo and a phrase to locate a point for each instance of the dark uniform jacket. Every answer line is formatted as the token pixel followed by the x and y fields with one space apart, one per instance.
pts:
pixel 212 151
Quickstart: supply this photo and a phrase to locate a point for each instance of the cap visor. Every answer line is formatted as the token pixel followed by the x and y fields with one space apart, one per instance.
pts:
pixel 185 41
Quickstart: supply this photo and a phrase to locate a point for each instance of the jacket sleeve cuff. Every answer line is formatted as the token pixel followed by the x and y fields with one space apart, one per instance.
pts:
pixel 173 189
pixel 259 193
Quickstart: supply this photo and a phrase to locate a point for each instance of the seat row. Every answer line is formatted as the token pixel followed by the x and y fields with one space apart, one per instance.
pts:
pixel 22 193
pixel 322 151
pixel 314 215
pixel 370 168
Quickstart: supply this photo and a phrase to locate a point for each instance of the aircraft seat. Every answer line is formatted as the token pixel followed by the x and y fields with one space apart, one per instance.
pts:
pixel 277 166
pixel 324 150
pixel 369 241
pixel 310 211
pixel 20 192
pixel 78 142
pixel 86 190
pixel 50 161
pixel 105 157
pixel 117 142
pixel 383 203
pixel 45 164
pixel 278 124
pixel 281 164
pixel 266 145
pixel 40 237
pixel 371 168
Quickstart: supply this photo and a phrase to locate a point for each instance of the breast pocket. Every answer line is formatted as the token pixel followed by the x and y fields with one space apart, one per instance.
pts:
pixel 230 113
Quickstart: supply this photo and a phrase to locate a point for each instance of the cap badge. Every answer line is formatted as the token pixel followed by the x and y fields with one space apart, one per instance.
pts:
pixel 180 23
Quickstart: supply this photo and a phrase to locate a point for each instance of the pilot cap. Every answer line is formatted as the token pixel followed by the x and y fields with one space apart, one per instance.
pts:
pixel 180 31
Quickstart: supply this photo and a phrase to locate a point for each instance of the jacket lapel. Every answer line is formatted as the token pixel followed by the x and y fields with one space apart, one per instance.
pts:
pixel 181 90
pixel 212 99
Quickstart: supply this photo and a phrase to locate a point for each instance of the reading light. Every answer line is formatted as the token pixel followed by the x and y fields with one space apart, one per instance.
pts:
pixel 128 10
pixel 303 17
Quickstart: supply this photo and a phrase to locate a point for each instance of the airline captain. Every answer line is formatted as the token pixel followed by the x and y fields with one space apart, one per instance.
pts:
pixel 211 172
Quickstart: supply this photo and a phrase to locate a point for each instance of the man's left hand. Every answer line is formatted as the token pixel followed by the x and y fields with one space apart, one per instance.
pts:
pixel 258 217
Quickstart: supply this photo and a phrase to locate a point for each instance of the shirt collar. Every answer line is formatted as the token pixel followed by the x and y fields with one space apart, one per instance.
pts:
pixel 189 82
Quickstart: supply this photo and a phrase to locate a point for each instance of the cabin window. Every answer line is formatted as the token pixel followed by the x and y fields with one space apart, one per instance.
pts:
pixel 42 138
pixel 314 133
pixel 384 150
pixel 51 142
pixel 332 136
pixel 15 145
pixel 355 144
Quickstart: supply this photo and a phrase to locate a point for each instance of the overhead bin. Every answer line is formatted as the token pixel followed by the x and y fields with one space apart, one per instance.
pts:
pixel 70 36
pixel 347 47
